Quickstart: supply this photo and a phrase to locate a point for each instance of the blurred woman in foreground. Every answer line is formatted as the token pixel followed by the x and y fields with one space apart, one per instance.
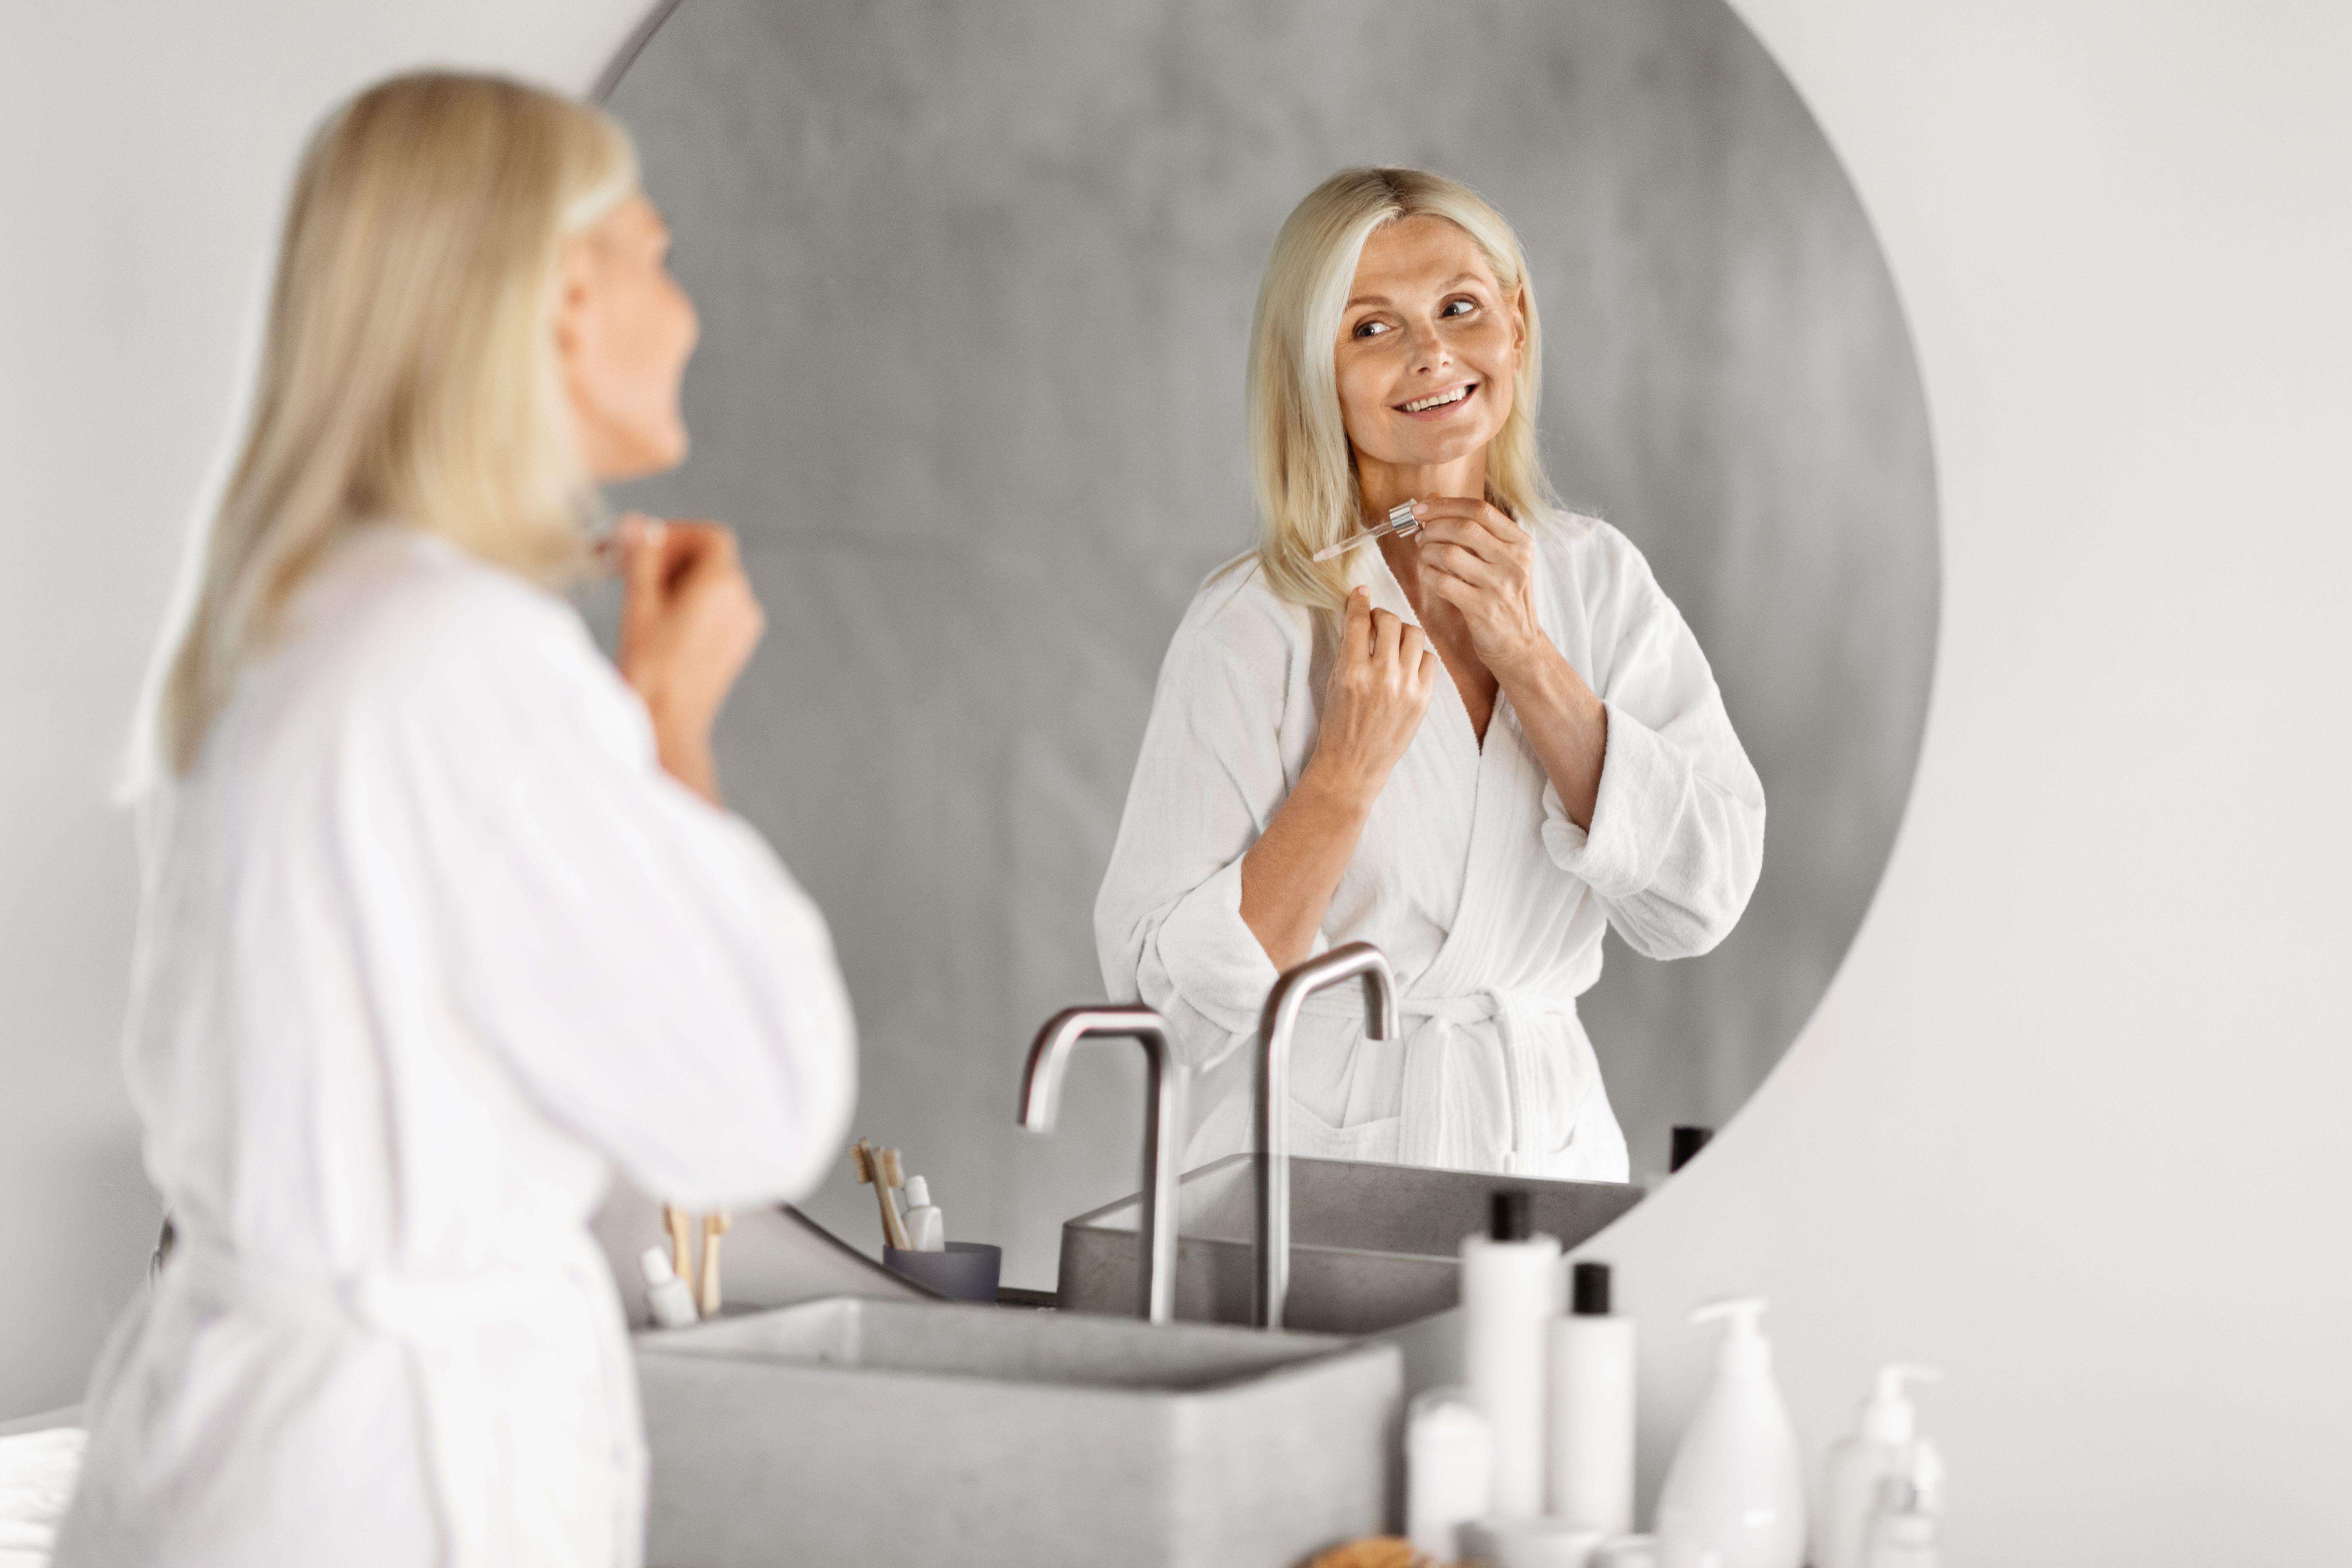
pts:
pixel 443 918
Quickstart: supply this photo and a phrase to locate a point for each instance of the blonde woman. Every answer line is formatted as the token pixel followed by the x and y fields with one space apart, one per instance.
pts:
pixel 1479 747
pixel 443 920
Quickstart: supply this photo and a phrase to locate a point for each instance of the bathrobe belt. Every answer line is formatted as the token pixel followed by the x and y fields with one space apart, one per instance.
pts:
pixel 430 1317
pixel 1430 1023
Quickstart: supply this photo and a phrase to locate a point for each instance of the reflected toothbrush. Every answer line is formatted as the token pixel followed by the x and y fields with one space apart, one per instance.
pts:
pixel 1400 522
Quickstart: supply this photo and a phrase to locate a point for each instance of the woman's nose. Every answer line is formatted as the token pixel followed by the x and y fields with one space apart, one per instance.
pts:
pixel 1425 347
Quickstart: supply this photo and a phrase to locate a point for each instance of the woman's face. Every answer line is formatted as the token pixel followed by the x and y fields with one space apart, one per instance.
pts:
pixel 1429 347
pixel 624 330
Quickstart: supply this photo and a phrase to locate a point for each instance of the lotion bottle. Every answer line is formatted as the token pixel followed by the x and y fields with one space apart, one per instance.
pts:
pixel 1908 1518
pixel 1734 1495
pixel 1510 1293
pixel 1862 1465
pixel 1591 1413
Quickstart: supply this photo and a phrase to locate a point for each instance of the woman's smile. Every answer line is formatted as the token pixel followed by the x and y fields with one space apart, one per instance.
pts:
pixel 1439 405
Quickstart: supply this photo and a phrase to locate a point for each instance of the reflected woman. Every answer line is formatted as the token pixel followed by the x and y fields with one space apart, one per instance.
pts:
pixel 1479 747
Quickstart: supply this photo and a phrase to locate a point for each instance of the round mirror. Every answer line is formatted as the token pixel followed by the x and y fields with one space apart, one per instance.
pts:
pixel 975 286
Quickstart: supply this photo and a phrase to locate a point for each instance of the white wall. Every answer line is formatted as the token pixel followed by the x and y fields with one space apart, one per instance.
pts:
pixel 2071 1120
pixel 2068 1122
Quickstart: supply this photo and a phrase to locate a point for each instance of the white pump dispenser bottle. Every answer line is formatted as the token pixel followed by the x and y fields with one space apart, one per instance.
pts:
pixel 1734 1495
pixel 1862 1465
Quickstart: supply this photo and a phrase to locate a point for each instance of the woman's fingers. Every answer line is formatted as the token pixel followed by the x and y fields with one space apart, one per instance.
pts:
pixel 1388 631
pixel 1356 629
pixel 1455 561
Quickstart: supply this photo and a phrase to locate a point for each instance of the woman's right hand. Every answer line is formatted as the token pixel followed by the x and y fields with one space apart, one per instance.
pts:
pixel 1379 689
pixel 689 624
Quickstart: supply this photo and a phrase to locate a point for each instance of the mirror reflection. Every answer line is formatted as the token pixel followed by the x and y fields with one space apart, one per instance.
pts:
pixel 1044 354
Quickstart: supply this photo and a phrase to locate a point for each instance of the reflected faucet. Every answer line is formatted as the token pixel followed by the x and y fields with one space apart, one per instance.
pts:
pixel 1276 1027
pixel 1163 1128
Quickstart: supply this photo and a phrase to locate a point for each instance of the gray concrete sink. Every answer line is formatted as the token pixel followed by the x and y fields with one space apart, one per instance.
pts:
pixel 886 1432
pixel 1371 1246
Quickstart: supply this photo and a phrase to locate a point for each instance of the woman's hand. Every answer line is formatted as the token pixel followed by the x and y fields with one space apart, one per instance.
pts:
pixel 1482 563
pixel 1379 689
pixel 689 624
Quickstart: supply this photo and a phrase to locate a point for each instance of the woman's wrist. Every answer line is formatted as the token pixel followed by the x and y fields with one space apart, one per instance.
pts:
pixel 685 755
pixel 1340 787
pixel 1544 682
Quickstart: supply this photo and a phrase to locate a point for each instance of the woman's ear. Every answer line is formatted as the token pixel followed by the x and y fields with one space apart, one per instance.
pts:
pixel 1519 319
pixel 574 263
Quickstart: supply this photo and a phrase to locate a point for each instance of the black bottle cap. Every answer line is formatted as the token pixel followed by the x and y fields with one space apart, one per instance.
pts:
pixel 1591 1291
pixel 1688 1142
pixel 1511 1219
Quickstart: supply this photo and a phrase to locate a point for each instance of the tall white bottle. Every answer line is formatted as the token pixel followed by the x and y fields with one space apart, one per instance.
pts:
pixel 1734 1495
pixel 1591 1413
pixel 1510 1293
pixel 1862 1465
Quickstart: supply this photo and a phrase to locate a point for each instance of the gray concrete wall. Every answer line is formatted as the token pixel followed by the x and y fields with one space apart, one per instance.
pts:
pixel 975 283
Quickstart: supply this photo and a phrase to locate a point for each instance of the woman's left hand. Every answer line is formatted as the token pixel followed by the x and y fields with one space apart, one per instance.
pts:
pixel 1478 560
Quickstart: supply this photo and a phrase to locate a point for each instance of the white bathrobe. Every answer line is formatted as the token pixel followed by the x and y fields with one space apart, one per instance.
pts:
pixel 430 944
pixel 1488 901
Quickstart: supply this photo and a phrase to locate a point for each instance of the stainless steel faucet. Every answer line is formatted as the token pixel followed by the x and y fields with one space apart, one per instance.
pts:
pixel 1276 1027
pixel 1163 1128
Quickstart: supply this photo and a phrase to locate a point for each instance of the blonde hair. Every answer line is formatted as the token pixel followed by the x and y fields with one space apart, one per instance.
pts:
pixel 409 370
pixel 1300 460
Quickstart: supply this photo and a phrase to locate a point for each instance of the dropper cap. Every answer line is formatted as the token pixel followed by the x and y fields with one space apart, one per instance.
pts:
pixel 1591 1289
pixel 1511 1217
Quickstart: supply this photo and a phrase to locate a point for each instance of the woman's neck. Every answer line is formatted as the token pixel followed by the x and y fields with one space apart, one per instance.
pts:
pixel 1386 485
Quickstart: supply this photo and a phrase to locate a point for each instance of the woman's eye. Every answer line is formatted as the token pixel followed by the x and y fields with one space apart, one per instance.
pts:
pixel 1459 307
pixel 1370 329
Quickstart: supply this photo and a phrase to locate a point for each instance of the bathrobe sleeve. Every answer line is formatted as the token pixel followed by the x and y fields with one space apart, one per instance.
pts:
pixel 639 959
pixel 1677 832
pixel 1210 775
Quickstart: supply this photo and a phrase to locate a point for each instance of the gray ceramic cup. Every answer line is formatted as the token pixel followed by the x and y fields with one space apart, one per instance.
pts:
pixel 966 1271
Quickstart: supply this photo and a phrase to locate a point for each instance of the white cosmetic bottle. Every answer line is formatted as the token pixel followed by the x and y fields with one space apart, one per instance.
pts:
pixel 1862 1465
pixel 666 1293
pixel 1591 1413
pixel 1734 1495
pixel 927 1228
pixel 1510 1293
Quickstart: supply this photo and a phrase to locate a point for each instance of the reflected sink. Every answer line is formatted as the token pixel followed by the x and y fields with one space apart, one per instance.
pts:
pixel 1371 1246
pixel 884 1432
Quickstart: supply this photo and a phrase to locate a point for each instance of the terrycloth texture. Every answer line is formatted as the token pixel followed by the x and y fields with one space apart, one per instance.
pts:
pixel 37 1477
pixel 430 944
pixel 1488 901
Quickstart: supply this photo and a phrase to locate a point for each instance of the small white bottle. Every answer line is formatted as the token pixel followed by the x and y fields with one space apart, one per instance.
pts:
pixel 1449 1471
pixel 672 1302
pixel 1510 1293
pixel 927 1230
pixel 1861 1464
pixel 1591 1413
pixel 1734 1495
pixel 1904 1525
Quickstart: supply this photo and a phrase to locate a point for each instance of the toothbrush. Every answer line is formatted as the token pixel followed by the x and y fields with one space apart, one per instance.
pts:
pixel 894 1176
pixel 714 1226
pixel 869 1174
pixel 1400 522
pixel 682 1240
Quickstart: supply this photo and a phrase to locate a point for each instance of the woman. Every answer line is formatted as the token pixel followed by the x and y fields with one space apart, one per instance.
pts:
pixel 1477 747
pixel 443 920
